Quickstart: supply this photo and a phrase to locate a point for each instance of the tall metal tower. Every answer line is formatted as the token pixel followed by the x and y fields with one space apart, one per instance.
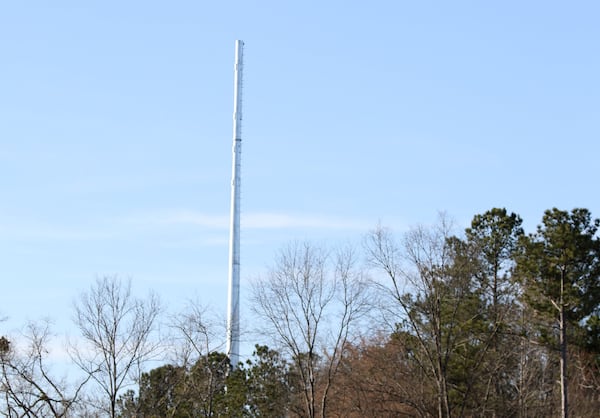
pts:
pixel 233 302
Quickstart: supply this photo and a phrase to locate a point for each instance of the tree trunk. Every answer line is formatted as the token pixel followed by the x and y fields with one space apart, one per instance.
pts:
pixel 564 404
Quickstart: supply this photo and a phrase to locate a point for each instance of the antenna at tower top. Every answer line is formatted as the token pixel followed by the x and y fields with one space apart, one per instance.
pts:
pixel 237 90
pixel 233 301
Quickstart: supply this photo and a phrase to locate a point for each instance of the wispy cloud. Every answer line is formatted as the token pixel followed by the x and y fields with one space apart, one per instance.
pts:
pixel 134 224
pixel 31 229
pixel 290 221
pixel 260 220
pixel 186 217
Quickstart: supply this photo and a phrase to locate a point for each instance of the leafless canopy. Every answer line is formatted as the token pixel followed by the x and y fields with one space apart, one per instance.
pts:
pixel 27 386
pixel 310 302
pixel 117 329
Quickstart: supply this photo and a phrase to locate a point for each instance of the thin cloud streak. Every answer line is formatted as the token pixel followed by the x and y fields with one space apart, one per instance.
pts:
pixel 265 220
pixel 161 221
pixel 45 231
pixel 185 217
pixel 290 221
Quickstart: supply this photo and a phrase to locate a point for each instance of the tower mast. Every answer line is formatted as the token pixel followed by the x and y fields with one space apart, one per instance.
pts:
pixel 233 302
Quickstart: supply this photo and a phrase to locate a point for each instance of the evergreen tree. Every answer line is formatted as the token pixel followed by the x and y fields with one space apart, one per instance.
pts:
pixel 268 389
pixel 560 268
pixel 493 238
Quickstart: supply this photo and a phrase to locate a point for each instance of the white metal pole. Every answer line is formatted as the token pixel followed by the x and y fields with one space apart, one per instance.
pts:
pixel 233 302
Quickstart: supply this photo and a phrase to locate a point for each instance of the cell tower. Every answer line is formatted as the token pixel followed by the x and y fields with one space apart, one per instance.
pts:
pixel 233 302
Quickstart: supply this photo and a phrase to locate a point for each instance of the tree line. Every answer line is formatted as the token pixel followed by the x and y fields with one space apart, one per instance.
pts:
pixel 487 322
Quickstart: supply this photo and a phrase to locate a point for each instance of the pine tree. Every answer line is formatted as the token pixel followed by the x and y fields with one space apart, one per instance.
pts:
pixel 559 266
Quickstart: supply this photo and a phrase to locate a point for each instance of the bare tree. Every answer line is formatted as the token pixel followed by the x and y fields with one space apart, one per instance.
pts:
pixel 377 379
pixel 196 333
pixel 197 341
pixel 311 302
pixel 28 387
pixel 430 281
pixel 117 329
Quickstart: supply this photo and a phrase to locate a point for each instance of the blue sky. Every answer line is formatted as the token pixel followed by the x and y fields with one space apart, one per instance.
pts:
pixel 116 125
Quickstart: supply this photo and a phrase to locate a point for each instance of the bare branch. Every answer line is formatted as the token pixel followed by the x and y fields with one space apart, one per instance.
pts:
pixel 118 329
